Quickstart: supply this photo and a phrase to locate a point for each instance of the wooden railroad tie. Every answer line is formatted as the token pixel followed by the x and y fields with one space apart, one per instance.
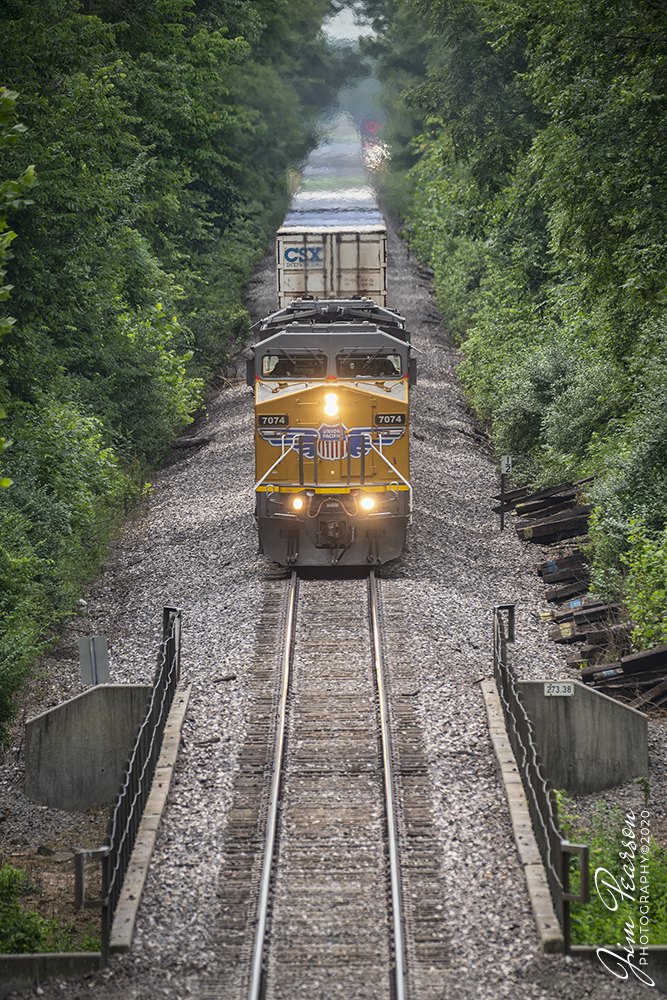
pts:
pixel 553 515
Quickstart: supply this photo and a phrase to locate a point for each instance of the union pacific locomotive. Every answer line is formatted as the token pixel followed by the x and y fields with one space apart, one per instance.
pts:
pixel 332 427
pixel 331 373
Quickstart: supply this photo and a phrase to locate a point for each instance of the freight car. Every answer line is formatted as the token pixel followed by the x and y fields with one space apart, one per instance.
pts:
pixel 332 427
pixel 329 252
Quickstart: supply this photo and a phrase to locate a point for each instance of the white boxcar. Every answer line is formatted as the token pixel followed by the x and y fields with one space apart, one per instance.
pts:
pixel 332 262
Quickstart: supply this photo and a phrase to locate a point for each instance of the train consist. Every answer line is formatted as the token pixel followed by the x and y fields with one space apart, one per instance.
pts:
pixel 331 374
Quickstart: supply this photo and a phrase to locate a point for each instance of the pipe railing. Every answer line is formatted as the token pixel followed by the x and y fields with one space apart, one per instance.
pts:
pixel 541 797
pixel 396 473
pixel 297 446
pixel 136 784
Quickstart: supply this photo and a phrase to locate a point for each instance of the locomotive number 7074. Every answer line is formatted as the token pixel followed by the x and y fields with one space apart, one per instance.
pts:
pixel 392 419
pixel 273 420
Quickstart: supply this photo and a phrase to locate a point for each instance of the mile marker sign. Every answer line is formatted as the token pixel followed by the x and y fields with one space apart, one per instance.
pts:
pixel 505 469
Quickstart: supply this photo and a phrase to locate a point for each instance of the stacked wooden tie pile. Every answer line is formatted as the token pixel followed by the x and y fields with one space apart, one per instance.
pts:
pixel 550 515
pixel 601 630
pixel 639 678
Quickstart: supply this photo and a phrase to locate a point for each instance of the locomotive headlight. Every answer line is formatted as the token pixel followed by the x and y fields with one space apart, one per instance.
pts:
pixel 297 503
pixel 331 409
pixel 368 503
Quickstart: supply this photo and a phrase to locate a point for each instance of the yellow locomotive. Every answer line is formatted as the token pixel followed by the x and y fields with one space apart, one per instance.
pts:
pixel 332 426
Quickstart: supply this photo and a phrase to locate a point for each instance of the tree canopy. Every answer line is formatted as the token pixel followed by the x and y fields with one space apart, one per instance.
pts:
pixel 145 151
pixel 537 194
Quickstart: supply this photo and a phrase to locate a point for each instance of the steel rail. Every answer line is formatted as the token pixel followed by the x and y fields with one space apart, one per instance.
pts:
pixel 272 821
pixel 394 869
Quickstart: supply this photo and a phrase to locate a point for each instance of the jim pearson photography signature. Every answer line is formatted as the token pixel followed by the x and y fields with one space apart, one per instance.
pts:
pixel 632 887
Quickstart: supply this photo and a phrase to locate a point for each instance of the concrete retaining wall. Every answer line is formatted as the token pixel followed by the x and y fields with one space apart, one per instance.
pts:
pixel 588 742
pixel 19 972
pixel 76 753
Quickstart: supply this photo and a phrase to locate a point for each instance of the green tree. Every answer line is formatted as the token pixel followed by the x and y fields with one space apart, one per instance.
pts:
pixel 12 196
pixel 537 197
pixel 162 134
pixel 599 69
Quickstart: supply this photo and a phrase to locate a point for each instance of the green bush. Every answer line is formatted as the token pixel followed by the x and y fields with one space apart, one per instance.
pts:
pixel 633 455
pixel 645 586
pixel 213 310
pixel 593 394
pixel 149 385
pixel 20 932
pixel 537 380
pixel 67 494
pixel 442 224
pixel 593 923
pixel 20 616
pixel 26 932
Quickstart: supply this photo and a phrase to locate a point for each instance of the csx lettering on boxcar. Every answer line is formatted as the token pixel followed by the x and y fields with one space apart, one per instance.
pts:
pixel 303 255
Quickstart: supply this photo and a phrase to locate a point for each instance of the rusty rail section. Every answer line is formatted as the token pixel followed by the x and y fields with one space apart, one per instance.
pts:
pixel 136 785
pixel 554 848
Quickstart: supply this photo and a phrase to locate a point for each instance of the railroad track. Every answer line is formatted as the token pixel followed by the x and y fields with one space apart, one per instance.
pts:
pixel 330 879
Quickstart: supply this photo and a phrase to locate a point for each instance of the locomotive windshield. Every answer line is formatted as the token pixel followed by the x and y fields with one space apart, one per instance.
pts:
pixel 294 364
pixel 369 364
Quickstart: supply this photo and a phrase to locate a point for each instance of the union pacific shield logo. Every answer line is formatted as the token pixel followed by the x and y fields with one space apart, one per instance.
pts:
pixel 332 442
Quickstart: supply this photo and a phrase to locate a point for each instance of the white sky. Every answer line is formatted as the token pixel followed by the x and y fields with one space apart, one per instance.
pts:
pixel 343 26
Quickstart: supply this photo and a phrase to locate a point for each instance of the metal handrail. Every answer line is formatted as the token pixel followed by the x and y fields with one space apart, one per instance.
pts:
pixel 397 473
pixel 541 798
pixel 293 447
pixel 137 780
pixel 277 462
pixel 143 760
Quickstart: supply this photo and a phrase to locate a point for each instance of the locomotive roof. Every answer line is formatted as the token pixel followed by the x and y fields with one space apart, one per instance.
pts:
pixel 331 337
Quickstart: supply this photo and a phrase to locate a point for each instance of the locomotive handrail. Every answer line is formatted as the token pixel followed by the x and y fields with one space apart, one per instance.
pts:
pixel 277 462
pixel 293 447
pixel 397 473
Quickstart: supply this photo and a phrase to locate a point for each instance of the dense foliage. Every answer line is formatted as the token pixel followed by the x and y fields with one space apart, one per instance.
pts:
pixel 537 195
pixel 608 835
pixel 144 155
pixel 23 931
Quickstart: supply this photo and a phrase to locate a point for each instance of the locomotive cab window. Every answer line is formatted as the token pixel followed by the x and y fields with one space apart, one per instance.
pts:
pixel 295 364
pixel 369 364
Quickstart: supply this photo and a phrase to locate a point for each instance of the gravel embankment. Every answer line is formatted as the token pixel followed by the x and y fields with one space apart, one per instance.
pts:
pixel 193 545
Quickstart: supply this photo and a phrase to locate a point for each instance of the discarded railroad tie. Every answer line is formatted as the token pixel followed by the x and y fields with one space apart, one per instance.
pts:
pixel 640 677
pixel 601 630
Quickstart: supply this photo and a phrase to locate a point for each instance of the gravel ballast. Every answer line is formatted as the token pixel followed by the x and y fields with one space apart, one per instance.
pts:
pixel 192 545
